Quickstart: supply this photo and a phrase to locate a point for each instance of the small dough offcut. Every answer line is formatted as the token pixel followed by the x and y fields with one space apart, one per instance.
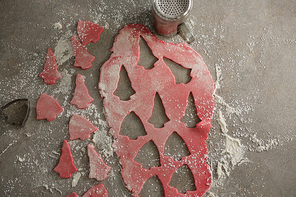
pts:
pixel 47 108
pixel 88 32
pixel 96 191
pixel 50 72
pixel 82 58
pixel 98 169
pixel 81 97
pixel 72 195
pixel 80 127
pixel 66 166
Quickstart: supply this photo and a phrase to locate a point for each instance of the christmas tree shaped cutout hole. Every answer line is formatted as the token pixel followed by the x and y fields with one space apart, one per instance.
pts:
pixel 147 59
pixel 183 180
pixel 124 89
pixel 148 150
pixel 158 117
pixel 181 74
pixel 152 187
pixel 132 127
pixel 190 117
pixel 175 147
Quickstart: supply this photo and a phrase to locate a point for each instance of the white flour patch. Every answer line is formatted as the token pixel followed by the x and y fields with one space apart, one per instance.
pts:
pixel 9 145
pixel 219 77
pixel 234 148
pixel 65 84
pixel 102 139
pixel 229 109
pixel 20 159
pixel 222 122
pixel 264 145
pixel 58 26
pixel 76 178
pixel 64 50
pixel 233 153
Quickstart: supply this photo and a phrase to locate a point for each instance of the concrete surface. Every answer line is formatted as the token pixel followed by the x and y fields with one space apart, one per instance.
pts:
pixel 248 46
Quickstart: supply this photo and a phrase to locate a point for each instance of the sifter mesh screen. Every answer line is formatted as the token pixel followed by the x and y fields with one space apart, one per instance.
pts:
pixel 172 8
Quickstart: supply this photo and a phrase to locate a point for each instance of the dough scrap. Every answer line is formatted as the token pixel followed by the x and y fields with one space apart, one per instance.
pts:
pixel 98 168
pixel 88 32
pixel 47 107
pixel 66 166
pixel 80 127
pixel 50 72
pixel 72 195
pixel 174 99
pixel 82 58
pixel 96 191
pixel 81 97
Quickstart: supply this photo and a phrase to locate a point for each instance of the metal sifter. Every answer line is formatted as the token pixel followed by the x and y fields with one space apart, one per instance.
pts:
pixel 169 17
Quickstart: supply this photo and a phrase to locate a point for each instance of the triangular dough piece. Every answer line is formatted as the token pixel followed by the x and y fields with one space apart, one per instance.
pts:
pixel 96 191
pixel 98 169
pixel 66 166
pixel 82 58
pixel 81 97
pixel 50 72
pixel 80 127
pixel 47 108
pixel 88 32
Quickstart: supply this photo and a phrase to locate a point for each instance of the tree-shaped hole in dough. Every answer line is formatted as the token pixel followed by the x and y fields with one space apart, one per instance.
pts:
pixel 158 117
pixel 148 155
pixel 124 89
pixel 132 127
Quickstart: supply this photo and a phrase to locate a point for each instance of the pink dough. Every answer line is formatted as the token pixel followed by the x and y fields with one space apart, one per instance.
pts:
pixel 88 32
pixel 47 108
pixel 50 72
pixel 82 58
pixel 96 191
pixel 80 127
pixel 174 99
pixel 72 195
pixel 66 166
pixel 98 169
pixel 81 97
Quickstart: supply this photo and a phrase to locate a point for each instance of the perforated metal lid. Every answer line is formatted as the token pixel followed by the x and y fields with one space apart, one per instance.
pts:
pixel 172 9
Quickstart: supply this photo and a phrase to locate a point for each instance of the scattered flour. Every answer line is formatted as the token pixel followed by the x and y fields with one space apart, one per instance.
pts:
pixel 65 84
pixel 264 145
pixel 222 122
pixel 219 77
pixel 58 26
pixel 9 145
pixel 76 178
pixel 233 152
pixel 103 140
pixel 64 50
pixel 234 148
pixel 210 194
pixel 20 159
